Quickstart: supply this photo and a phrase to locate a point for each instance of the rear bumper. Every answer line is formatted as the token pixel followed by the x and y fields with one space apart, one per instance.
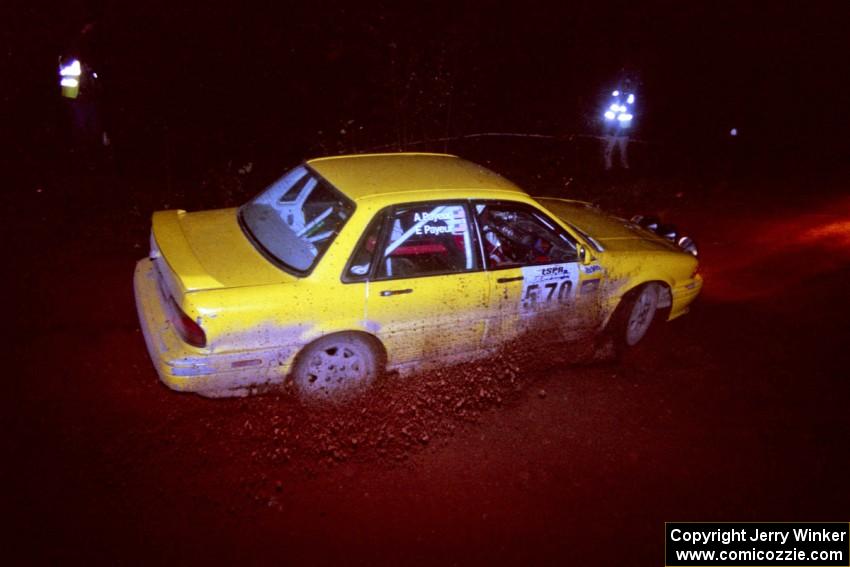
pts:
pixel 683 295
pixel 185 368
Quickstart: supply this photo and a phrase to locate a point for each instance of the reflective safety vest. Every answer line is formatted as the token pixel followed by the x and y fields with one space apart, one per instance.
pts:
pixel 70 75
pixel 620 110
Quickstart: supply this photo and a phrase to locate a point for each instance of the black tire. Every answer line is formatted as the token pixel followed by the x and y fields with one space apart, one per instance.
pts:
pixel 335 367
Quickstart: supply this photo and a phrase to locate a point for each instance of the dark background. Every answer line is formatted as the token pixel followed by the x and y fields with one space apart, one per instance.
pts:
pixel 191 85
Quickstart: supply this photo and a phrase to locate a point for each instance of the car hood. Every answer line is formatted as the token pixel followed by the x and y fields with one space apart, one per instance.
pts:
pixel 611 232
pixel 208 250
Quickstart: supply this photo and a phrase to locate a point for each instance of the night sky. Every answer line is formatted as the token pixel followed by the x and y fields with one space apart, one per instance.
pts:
pixel 275 79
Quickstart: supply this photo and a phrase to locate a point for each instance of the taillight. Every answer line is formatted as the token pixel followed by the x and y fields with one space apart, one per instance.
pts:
pixel 188 329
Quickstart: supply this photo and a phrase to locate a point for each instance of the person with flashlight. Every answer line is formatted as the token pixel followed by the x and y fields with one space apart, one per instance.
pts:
pixel 79 87
pixel 618 117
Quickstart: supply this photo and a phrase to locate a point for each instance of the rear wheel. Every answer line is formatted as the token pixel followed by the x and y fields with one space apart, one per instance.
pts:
pixel 335 367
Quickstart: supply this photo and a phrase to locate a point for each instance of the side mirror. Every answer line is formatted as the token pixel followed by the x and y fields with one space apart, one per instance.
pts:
pixel 584 255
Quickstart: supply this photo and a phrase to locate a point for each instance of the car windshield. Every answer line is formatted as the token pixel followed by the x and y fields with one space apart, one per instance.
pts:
pixel 295 219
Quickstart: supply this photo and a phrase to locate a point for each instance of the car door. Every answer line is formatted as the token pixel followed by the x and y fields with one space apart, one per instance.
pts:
pixel 427 291
pixel 538 286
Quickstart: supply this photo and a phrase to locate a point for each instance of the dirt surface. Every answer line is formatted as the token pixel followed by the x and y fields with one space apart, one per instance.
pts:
pixel 737 411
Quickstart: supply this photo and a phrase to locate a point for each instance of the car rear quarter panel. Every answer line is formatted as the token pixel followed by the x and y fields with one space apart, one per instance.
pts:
pixel 284 315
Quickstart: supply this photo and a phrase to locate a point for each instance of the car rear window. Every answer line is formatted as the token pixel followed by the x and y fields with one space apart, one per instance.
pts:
pixel 295 219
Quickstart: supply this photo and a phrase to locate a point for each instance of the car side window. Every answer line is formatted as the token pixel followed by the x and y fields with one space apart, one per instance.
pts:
pixel 360 264
pixel 516 235
pixel 427 239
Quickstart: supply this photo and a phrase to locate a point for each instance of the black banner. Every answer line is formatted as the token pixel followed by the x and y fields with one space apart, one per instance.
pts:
pixel 757 543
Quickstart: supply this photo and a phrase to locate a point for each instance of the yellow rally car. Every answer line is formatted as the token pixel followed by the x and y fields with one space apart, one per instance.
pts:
pixel 348 266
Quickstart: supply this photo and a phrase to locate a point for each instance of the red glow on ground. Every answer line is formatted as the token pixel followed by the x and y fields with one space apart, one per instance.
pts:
pixel 769 257
pixel 838 231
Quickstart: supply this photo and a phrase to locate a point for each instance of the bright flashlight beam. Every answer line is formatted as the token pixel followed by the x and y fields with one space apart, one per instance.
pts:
pixel 73 69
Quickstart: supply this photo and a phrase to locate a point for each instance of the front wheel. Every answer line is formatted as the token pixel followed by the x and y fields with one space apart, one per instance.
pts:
pixel 635 315
pixel 335 367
